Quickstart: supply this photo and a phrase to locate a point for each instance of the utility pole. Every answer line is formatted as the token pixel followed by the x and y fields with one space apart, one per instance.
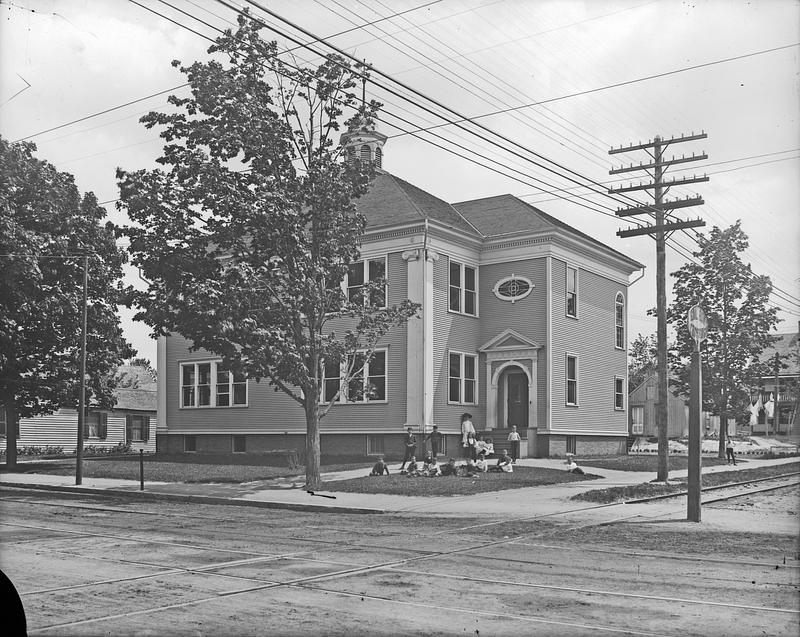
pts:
pixel 82 396
pixel 776 419
pixel 663 227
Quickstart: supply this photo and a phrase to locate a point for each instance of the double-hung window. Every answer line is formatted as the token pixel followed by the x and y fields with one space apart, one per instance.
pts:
pixel 366 385
pixel 367 271
pixel 462 377
pixel 619 321
pixel 95 425
pixel 463 289
pixel 572 291
pixel 209 384
pixel 571 380
pixel 137 428
pixel 619 393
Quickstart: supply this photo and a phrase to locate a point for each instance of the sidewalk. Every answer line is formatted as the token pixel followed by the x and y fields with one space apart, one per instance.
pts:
pixel 548 499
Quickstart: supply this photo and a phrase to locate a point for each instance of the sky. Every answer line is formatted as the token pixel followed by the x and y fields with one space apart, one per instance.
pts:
pixel 604 74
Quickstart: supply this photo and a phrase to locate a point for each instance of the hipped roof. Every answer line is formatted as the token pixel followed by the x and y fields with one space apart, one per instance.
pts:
pixel 392 201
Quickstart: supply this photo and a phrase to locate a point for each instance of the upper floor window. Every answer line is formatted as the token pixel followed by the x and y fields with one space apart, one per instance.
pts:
pixel 361 272
pixel 571 380
pixel 368 383
pixel 619 392
pixel 619 321
pixel 462 379
pixel 209 384
pixel 572 291
pixel 366 153
pixel 463 289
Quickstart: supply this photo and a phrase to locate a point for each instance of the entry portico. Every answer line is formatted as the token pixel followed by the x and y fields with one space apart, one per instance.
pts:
pixel 511 367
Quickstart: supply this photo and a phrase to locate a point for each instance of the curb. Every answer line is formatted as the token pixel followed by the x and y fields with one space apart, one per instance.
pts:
pixel 196 499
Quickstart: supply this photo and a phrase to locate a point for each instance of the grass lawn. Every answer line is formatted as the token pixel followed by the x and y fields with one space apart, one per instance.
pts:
pixel 646 463
pixel 395 484
pixel 170 469
pixel 648 489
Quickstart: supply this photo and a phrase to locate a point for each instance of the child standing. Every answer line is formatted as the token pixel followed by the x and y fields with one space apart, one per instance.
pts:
pixel 514 439
pixel 729 452
pixel 435 437
pixel 409 447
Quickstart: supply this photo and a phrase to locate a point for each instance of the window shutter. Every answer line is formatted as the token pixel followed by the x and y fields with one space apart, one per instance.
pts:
pixel 102 429
pixel 128 428
pixel 146 429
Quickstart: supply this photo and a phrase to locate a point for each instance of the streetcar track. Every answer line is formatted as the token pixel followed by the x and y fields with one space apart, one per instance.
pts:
pixel 588 591
pixel 308 581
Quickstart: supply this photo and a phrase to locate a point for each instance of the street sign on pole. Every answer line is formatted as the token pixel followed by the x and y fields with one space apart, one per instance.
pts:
pixel 698 325
pixel 698 328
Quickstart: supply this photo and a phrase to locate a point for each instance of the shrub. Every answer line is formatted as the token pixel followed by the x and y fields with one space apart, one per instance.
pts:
pixel 48 450
pixel 97 450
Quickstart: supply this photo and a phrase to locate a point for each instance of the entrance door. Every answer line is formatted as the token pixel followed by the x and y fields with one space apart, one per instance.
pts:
pixel 517 393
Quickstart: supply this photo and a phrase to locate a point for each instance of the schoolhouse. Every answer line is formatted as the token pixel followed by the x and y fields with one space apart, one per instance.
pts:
pixel 523 322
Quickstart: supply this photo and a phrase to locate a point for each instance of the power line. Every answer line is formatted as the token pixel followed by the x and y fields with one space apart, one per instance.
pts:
pixel 405 98
pixel 615 85
pixel 103 112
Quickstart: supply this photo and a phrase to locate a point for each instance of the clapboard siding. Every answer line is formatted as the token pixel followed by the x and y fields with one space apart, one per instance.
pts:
pixel 61 430
pixel 268 411
pixel 527 316
pixel 591 338
pixel 457 332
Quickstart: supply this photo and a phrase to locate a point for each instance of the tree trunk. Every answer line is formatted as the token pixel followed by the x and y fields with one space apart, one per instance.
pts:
pixel 723 426
pixel 312 442
pixel 12 427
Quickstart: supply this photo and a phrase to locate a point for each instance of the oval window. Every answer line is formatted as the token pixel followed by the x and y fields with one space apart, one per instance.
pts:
pixel 513 288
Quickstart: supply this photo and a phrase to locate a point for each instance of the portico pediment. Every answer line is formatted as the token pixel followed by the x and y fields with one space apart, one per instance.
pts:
pixel 507 341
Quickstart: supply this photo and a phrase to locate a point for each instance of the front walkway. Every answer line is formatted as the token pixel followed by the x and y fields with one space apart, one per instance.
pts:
pixel 511 503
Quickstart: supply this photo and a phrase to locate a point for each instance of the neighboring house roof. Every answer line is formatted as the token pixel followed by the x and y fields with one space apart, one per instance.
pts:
pixel 788 349
pixel 136 388
pixel 652 379
pixel 135 377
pixel 138 399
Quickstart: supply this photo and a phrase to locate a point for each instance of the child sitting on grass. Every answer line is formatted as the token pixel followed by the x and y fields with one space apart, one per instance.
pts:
pixel 412 471
pixel 481 464
pixel 503 463
pixel 379 468
pixel 431 467
pixel 450 468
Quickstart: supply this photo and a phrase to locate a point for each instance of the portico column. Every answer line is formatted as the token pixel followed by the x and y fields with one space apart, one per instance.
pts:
pixel 491 397
pixel 431 257
pixel 415 373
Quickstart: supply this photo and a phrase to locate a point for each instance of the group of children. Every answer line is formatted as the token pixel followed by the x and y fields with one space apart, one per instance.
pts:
pixel 431 467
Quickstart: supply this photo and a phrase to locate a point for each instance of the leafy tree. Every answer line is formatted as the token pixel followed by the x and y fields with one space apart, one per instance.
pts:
pixel 45 228
pixel 146 364
pixel 250 229
pixel 736 303
pixel 641 359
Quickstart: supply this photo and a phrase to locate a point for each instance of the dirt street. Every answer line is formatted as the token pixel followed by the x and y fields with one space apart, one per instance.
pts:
pixel 99 565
